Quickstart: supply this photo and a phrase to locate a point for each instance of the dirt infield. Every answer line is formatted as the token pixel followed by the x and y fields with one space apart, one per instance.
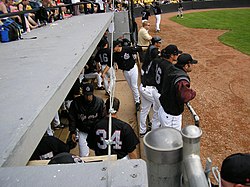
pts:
pixel 222 82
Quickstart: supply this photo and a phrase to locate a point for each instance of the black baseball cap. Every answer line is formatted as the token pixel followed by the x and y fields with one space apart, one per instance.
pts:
pixel 185 58
pixel 236 169
pixel 87 89
pixel 117 42
pixel 65 158
pixel 170 49
pixel 156 39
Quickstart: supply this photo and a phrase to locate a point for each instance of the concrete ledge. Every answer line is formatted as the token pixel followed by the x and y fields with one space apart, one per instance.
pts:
pixel 35 77
pixel 107 173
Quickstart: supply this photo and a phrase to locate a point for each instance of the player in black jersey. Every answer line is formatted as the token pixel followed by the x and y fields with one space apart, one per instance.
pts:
pixel 103 57
pixel 168 57
pixel 148 85
pixel 48 147
pixel 84 112
pixel 176 92
pixel 123 136
pixel 124 57
pixel 157 11
pixel 145 13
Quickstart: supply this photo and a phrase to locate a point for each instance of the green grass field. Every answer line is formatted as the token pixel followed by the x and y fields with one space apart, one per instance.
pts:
pixel 236 21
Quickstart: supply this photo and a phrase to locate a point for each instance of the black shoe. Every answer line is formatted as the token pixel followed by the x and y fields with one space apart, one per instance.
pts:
pixel 100 88
pixel 143 134
pixel 137 106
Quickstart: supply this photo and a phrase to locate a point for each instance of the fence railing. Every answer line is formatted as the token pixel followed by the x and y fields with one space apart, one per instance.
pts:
pixel 57 7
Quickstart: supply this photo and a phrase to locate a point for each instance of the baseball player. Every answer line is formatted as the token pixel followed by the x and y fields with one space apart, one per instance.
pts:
pixel 180 10
pixel 148 85
pixel 123 136
pixel 90 72
pixel 168 57
pixel 123 56
pixel 176 91
pixel 235 171
pixel 145 13
pixel 48 147
pixel 103 57
pixel 84 112
pixel 157 11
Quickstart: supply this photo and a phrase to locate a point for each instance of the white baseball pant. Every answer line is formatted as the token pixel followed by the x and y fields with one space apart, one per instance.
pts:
pixel 94 75
pixel 168 120
pixel 132 78
pixel 157 22
pixel 155 121
pixel 109 79
pixel 83 146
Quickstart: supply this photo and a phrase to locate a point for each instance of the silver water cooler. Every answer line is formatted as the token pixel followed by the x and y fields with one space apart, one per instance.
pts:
pixel 163 149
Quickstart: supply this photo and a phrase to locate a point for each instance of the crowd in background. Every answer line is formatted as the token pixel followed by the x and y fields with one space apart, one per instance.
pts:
pixel 48 11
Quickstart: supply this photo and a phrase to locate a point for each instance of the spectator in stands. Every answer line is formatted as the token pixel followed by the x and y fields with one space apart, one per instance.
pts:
pixel 101 6
pixel 124 137
pixel 23 5
pixel 48 147
pixel 84 112
pixel 3 8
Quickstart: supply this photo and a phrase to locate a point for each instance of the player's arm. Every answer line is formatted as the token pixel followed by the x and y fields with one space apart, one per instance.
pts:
pixel 72 121
pixel 147 36
pixel 105 71
pixel 184 92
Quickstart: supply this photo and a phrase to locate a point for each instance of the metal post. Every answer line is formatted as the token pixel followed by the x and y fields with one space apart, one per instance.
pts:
pixel 163 148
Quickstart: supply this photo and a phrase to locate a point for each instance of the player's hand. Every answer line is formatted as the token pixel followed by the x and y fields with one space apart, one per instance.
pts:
pixel 74 137
pixel 103 76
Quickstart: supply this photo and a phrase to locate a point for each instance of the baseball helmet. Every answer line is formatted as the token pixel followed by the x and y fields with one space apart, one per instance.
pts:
pixel 156 39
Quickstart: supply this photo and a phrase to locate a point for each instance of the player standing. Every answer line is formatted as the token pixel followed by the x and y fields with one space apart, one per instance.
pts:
pixel 124 57
pixel 180 10
pixel 176 91
pixel 148 85
pixel 168 57
pixel 157 11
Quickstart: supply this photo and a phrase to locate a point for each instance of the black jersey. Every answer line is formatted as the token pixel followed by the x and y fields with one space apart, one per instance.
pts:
pixel 104 56
pixel 48 147
pixel 145 14
pixel 169 98
pixel 90 66
pixel 161 69
pixel 156 9
pixel 149 73
pixel 151 53
pixel 125 59
pixel 84 115
pixel 123 136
